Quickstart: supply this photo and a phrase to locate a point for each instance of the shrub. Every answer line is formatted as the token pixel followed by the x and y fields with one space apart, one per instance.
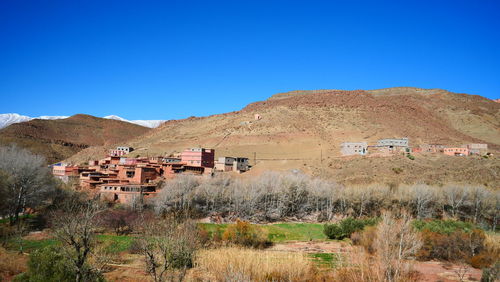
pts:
pixel 245 234
pixel 346 227
pixel 50 264
pixel 483 260
pixel 491 274
pixel 365 238
pixel 397 170
pixel 11 263
pixel 411 157
pixel 135 247
pixel 457 246
pixel 443 226
pixel 120 221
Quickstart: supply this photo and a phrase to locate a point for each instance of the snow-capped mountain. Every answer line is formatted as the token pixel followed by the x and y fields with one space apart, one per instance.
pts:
pixel 8 119
pixel 146 123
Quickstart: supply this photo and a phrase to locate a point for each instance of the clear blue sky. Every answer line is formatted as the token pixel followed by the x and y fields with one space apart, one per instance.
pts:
pixel 174 59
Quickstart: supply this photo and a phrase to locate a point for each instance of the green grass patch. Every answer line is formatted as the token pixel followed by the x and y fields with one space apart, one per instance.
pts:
pixel 279 232
pixel 30 245
pixel 24 216
pixel 116 243
pixel 325 259
pixel 282 232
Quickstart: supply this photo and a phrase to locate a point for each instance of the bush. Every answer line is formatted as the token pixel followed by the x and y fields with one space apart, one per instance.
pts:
pixel 135 247
pixel 444 226
pixel 411 157
pixel 365 238
pixel 245 234
pixel 483 260
pixel 491 274
pixel 397 170
pixel 49 264
pixel 346 227
pixel 457 246
pixel 11 263
pixel 122 222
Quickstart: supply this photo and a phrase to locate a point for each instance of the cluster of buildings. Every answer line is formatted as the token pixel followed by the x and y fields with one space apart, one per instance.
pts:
pixel 401 145
pixel 122 179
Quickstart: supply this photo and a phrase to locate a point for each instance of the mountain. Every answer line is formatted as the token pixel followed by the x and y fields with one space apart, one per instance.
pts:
pixel 304 130
pixel 146 123
pixel 58 139
pixel 8 119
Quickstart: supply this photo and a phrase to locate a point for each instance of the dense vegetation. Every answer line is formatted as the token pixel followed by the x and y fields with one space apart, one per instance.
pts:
pixel 294 196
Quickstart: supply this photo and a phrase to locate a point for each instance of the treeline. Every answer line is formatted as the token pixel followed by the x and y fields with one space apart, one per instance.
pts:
pixel 293 196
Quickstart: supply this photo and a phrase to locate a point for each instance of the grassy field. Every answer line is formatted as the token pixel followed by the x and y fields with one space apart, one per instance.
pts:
pixel 115 243
pixel 280 232
pixel 325 259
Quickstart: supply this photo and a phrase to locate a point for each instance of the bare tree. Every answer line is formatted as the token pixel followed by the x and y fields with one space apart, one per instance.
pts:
pixel 396 240
pixel 168 247
pixel 478 196
pixel 75 227
pixel 423 199
pixel 455 197
pixel 28 182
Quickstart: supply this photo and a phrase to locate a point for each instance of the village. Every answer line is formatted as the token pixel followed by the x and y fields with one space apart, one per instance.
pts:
pixel 402 145
pixel 121 179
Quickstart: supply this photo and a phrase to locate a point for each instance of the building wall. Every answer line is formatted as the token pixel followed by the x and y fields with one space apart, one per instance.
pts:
pixel 456 151
pixel 477 146
pixel 198 157
pixel 402 142
pixel 353 148
pixel 432 148
pixel 232 164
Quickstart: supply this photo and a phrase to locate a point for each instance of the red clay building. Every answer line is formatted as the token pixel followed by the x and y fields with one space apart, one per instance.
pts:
pixel 456 151
pixel 198 157
pixel 126 193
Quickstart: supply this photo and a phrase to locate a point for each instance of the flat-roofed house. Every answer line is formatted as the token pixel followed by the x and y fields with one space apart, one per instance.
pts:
pixel 477 148
pixel 392 145
pixel 393 142
pixel 126 193
pixel 120 151
pixel 431 148
pixel 198 157
pixel 236 164
pixel 353 148
pixel 138 174
pixel 459 151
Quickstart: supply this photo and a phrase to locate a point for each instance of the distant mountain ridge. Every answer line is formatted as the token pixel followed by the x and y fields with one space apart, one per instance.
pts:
pixel 58 139
pixel 11 118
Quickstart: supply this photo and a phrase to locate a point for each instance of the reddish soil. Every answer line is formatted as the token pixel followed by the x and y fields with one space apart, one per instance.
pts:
pixel 440 271
pixel 429 270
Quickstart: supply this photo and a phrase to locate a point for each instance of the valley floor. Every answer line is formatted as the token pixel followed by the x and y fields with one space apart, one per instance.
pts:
pixel 305 239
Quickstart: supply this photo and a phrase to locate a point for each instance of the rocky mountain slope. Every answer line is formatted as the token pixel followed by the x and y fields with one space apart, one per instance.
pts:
pixel 304 129
pixel 61 138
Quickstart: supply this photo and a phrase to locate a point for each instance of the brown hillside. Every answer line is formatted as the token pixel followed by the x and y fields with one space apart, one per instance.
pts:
pixel 60 139
pixel 299 128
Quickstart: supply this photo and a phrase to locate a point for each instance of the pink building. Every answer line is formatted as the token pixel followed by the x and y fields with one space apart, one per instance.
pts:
pixel 456 151
pixel 198 157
